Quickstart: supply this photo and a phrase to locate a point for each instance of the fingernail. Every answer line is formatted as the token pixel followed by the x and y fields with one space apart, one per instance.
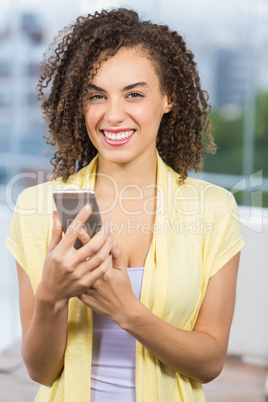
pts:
pixel 108 226
pixel 86 210
pixel 81 231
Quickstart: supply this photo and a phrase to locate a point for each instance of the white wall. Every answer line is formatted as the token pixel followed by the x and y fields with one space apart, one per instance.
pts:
pixel 249 333
pixel 10 329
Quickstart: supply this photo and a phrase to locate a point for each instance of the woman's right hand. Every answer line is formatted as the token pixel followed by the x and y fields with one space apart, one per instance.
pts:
pixel 69 272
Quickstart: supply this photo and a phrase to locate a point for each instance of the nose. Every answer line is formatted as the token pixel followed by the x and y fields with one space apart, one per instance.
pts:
pixel 115 112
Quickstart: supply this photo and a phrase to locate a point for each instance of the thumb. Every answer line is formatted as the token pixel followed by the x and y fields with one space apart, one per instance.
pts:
pixel 117 257
pixel 56 233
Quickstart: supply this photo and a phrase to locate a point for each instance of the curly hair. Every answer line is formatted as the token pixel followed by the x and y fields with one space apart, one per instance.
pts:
pixel 67 72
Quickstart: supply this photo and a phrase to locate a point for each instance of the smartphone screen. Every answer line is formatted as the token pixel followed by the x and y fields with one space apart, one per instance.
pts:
pixel 70 202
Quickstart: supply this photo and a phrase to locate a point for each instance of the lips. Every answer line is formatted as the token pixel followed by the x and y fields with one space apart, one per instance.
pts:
pixel 121 135
pixel 117 137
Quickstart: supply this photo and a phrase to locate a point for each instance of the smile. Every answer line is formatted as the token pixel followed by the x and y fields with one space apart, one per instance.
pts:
pixel 118 136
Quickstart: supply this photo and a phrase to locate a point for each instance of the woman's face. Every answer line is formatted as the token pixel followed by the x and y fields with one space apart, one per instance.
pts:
pixel 125 107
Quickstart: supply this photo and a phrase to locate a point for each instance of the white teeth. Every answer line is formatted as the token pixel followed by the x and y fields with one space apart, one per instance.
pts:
pixel 118 136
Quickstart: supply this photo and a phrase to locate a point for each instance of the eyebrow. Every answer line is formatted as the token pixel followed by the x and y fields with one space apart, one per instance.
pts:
pixel 136 85
pixel 127 88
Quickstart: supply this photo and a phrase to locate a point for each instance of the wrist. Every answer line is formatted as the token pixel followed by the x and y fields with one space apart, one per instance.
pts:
pixel 46 298
pixel 135 316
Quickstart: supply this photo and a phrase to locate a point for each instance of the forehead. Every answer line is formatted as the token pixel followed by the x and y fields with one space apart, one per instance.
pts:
pixel 126 65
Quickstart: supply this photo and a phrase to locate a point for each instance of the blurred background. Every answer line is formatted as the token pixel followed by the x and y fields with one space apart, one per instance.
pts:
pixel 230 42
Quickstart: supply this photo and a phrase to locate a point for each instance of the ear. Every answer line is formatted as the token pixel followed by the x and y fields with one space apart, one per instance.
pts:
pixel 168 106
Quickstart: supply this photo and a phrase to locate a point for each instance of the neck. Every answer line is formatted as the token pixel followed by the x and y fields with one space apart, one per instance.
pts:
pixel 139 173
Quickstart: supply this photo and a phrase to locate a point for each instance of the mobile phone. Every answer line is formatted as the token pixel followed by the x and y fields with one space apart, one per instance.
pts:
pixel 70 202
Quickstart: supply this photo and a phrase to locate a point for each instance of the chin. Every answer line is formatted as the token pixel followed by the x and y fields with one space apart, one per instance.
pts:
pixel 118 156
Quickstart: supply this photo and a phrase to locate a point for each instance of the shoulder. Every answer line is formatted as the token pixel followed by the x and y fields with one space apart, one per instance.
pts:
pixel 204 187
pixel 195 197
pixel 38 199
pixel 193 188
pixel 202 197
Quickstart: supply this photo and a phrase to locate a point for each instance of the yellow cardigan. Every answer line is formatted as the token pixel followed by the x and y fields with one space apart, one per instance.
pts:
pixel 196 233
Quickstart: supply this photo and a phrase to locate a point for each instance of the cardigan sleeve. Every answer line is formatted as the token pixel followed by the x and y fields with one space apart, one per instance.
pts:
pixel 15 240
pixel 30 230
pixel 225 239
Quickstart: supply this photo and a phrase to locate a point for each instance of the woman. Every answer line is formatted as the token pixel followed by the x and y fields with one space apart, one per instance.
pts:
pixel 143 310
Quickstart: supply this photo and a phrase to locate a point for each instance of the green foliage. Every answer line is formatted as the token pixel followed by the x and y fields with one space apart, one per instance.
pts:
pixel 228 126
pixel 228 133
pixel 261 134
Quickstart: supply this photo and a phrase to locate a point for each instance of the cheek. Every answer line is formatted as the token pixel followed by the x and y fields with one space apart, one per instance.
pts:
pixel 92 116
pixel 147 115
pixel 89 118
pixel 151 117
pixel 90 121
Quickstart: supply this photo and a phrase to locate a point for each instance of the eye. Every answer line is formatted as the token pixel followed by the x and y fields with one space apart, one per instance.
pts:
pixel 134 95
pixel 96 97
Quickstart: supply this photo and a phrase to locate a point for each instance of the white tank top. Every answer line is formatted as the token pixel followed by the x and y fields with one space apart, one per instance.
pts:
pixel 114 355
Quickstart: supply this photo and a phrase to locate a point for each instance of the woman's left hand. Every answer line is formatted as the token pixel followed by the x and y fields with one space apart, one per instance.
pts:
pixel 112 294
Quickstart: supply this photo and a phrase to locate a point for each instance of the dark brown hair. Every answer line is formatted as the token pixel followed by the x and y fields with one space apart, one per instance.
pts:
pixel 67 72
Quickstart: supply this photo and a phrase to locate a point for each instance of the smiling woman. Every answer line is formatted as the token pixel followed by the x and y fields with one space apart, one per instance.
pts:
pixel 142 311
pixel 178 140
pixel 122 115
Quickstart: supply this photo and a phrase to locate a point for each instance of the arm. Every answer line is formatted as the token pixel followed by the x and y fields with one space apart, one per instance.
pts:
pixel 67 273
pixel 44 329
pixel 200 353
pixel 197 354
